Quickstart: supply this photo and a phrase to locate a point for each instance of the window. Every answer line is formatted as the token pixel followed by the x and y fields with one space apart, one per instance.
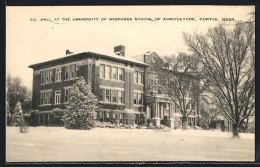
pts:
pixel 114 96
pixel 101 114
pixel 135 77
pixel 121 117
pixel 193 106
pixel 140 78
pixel 108 95
pixel 73 71
pixel 181 66
pixel 66 72
pixel 121 96
pixel 115 73
pixel 140 98
pixel 41 97
pixel 45 97
pixel 186 101
pixel 77 70
pixel 135 98
pixel 153 80
pixel 57 97
pixel 101 94
pixel 50 76
pixel 108 72
pixel 58 74
pixel 121 74
pixel 102 71
pixel 42 77
pixel 47 76
pixel 111 95
pixel 66 95
pixel 70 71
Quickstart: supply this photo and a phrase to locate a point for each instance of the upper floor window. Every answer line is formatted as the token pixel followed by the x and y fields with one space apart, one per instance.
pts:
pixel 111 72
pixel 187 102
pixel 135 77
pixel 101 94
pixel 42 77
pixel 108 91
pixel 114 96
pixel 102 71
pixel 153 82
pixel 121 74
pixel 135 98
pixel 46 76
pixel 111 95
pixel 121 95
pixel 66 72
pixel 58 74
pixel 77 70
pixel 71 71
pixel 108 72
pixel 57 97
pixel 193 106
pixel 138 98
pixel 46 97
pixel 115 73
pixel 180 66
pixel 138 77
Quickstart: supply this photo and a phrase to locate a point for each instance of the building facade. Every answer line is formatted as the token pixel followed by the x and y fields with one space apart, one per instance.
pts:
pixel 122 85
pixel 160 109
pixel 112 79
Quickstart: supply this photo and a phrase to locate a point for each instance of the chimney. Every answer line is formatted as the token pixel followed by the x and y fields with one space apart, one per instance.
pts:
pixel 120 50
pixel 68 52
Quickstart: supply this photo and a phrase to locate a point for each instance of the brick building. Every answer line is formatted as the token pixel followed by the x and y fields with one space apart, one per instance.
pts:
pixel 112 79
pixel 160 109
pixel 121 84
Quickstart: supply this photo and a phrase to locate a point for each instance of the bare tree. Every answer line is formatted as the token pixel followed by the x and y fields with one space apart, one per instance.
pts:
pixel 228 57
pixel 178 81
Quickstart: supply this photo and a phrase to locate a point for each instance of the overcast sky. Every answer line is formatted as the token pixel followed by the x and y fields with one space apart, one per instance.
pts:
pixel 30 42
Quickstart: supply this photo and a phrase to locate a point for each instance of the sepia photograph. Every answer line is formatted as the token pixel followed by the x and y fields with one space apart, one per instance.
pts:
pixel 130 83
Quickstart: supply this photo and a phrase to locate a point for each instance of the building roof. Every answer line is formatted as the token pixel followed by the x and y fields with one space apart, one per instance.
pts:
pixel 88 54
pixel 141 58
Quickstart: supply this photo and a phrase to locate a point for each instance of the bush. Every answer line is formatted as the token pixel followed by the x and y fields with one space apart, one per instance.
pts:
pixel 197 128
pixel 81 107
pixel 17 119
pixel 150 126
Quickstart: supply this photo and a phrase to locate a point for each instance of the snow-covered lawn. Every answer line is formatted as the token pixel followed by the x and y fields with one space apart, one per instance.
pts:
pixel 43 144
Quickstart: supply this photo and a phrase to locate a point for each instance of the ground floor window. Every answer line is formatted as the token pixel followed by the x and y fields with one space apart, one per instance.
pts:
pixel 107 117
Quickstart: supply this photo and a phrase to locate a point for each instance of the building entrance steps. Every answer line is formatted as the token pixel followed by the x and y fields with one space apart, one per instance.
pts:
pixel 168 122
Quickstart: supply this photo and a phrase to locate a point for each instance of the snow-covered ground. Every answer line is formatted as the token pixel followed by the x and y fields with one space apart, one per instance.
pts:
pixel 45 144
